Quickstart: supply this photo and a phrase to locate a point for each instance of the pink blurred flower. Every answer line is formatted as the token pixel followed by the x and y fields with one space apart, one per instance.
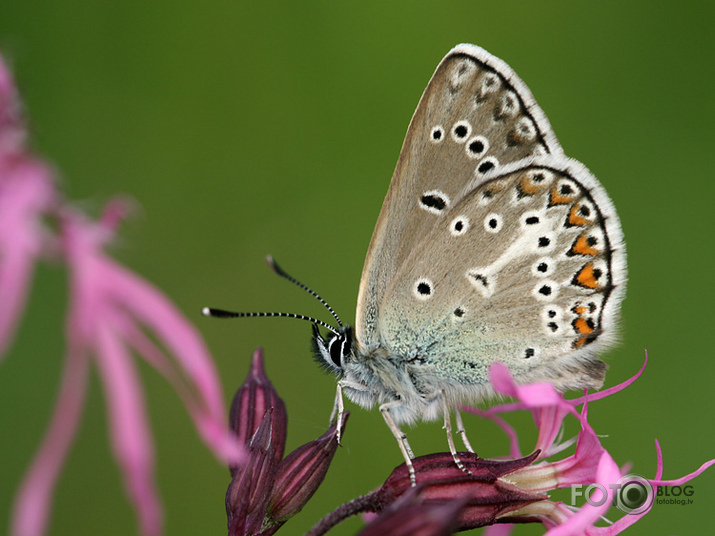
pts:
pixel 109 310
pixel 26 193
pixel 110 307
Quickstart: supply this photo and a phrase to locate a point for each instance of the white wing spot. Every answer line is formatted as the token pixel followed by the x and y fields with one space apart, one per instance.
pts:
pixel 423 289
pixel 552 315
pixel 437 134
pixel 525 130
pixel 482 281
pixel 493 223
pixel 477 146
pixel 459 226
pixel 508 106
pixel 461 131
pixel 490 84
pixel 434 201
pixel 462 72
pixel 545 242
pixel 486 165
pixel 532 219
pixel 543 267
pixel 545 290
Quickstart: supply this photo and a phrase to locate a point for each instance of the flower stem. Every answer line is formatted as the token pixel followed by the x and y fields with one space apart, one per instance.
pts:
pixel 364 503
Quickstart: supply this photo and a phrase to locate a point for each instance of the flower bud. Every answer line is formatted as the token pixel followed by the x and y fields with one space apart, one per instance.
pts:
pixel 487 495
pixel 300 474
pixel 248 493
pixel 250 404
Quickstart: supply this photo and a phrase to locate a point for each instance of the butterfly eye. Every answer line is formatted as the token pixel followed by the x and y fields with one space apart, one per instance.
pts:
pixel 335 349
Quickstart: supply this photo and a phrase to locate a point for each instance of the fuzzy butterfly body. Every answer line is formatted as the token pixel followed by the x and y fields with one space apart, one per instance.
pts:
pixel 491 246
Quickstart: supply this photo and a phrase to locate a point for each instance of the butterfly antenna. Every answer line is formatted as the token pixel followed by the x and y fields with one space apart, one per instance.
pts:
pixel 220 313
pixel 278 270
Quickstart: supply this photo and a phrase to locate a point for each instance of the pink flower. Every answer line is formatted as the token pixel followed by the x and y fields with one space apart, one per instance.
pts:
pixel 26 193
pixel 590 465
pixel 110 308
pixel 498 493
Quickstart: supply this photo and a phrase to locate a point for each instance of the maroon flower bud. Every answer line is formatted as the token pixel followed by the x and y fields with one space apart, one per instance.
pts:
pixel 410 515
pixel 248 493
pixel 300 474
pixel 250 404
pixel 483 494
pixel 487 495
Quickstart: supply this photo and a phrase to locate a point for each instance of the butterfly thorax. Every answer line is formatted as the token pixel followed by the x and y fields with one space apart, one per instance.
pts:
pixel 374 375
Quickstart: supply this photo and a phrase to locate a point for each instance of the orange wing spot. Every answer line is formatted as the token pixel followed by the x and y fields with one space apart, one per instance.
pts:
pixel 588 277
pixel 575 217
pixel 558 198
pixel 528 187
pixel 580 310
pixel 578 343
pixel 583 326
pixel 582 247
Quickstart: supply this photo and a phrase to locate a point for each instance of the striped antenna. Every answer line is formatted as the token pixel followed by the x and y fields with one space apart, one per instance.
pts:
pixel 278 270
pixel 220 313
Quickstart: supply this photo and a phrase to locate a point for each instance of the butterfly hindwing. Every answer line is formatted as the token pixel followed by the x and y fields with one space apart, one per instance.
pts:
pixel 475 117
pixel 527 268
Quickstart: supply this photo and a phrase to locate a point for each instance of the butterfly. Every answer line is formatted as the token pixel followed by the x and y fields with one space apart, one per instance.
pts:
pixel 491 247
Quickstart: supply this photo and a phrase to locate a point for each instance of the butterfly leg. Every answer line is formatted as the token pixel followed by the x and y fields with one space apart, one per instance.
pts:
pixel 339 405
pixel 450 438
pixel 461 431
pixel 401 437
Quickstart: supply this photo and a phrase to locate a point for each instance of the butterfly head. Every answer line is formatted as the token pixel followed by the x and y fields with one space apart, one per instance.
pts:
pixel 333 352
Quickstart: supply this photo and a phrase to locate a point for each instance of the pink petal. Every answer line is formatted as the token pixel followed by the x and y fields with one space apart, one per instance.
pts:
pixel 32 504
pixel 131 439
pixel 612 390
pixel 183 341
pixel 25 192
pixel 588 514
pixel 500 529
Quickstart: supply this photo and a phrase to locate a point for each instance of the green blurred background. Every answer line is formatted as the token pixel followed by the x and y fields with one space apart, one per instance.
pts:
pixel 247 128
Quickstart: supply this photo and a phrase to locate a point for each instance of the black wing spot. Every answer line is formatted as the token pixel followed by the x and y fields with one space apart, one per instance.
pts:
pixel 532 220
pixel 433 201
pixel 476 147
pixel 424 289
pixel 545 290
pixel 544 241
pixel 529 353
pixel 485 166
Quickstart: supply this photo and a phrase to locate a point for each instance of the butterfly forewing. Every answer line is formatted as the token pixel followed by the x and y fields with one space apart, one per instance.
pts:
pixel 527 269
pixel 475 117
